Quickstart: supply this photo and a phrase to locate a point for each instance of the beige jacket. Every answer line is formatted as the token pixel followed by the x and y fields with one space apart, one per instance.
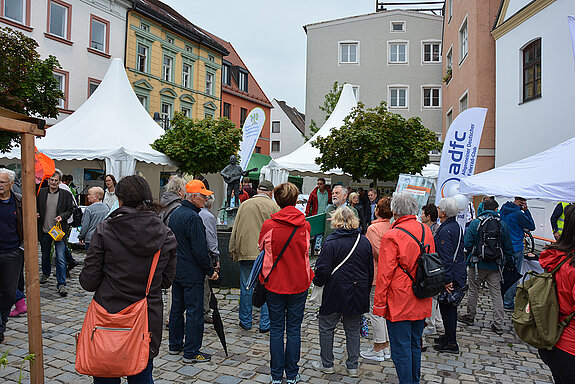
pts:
pixel 247 226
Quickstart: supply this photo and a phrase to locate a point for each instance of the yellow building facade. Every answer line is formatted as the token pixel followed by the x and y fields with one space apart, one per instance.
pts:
pixel 171 64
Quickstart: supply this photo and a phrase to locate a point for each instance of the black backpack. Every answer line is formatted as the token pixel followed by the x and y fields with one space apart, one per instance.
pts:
pixel 489 243
pixel 430 274
pixel 77 215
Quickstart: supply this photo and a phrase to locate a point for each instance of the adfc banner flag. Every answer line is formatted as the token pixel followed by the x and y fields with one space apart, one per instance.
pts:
pixel 459 151
pixel 251 132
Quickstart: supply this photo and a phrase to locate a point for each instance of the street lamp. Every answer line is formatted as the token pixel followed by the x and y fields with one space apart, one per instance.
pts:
pixel 163 121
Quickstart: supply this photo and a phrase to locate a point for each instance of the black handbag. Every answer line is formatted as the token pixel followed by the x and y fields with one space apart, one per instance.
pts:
pixel 77 216
pixel 452 298
pixel 259 290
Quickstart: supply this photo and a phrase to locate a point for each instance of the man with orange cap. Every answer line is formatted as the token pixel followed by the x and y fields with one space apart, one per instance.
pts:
pixel 193 264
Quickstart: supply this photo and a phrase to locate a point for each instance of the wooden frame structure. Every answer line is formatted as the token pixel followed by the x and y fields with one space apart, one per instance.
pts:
pixel 29 128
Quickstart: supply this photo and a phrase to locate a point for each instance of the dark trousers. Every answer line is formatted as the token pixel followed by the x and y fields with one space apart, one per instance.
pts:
pixel 561 364
pixel 10 267
pixel 144 377
pixel 188 299
pixel 449 316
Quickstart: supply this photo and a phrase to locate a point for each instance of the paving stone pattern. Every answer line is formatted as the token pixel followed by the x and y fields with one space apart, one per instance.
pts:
pixel 484 358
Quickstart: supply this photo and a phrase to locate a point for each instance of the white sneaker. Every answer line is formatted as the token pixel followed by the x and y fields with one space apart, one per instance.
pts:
pixel 373 355
pixel 429 331
pixel 387 353
pixel 318 366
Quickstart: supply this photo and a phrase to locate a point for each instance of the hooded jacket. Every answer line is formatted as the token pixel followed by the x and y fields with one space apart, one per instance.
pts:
pixel 118 263
pixel 312 202
pixel 517 221
pixel 565 278
pixel 448 240
pixel 394 298
pixel 347 290
pixel 171 201
pixel 292 273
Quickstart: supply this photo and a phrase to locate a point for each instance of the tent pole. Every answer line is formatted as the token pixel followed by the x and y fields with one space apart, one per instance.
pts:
pixel 31 258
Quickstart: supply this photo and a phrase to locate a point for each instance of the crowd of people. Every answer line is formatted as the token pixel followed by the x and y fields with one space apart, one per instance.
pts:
pixel 366 261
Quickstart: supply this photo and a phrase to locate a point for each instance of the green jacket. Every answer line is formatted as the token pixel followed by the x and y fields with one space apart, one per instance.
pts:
pixel 328 212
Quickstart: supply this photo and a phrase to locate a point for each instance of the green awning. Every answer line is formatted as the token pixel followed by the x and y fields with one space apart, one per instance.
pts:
pixel 258 160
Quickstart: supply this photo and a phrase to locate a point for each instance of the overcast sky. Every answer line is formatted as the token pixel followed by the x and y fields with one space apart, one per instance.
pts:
pixel 268 35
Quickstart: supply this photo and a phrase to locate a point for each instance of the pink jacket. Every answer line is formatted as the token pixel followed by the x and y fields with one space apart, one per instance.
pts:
pixel 374 234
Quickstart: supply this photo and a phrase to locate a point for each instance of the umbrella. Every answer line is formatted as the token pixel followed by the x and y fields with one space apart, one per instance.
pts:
pixel 510 277
pixel 218 324
pixel 256 269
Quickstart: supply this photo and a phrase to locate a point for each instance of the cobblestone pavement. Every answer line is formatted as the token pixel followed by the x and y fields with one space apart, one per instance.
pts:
pixel 484 358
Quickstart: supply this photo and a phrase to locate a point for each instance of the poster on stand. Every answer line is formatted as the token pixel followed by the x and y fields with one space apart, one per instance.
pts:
pixel 419 186
pixel 251 133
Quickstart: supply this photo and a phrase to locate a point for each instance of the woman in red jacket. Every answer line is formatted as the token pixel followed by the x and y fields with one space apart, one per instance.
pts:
pixel 288 283
pixel 394 298
pixel 561 359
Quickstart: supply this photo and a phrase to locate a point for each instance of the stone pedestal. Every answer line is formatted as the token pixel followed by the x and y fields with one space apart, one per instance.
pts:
pixel 230 270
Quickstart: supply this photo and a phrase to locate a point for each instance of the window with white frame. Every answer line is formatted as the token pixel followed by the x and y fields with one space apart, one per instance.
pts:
pixel 61 80
pixel 355 89
pixel 450 10
pixel 142 58
pixel 58 22
pixel 348 52
pixel 143 100
pixel 186 70
pixel 463 103
pixel 438 138
pixel 167 68
pixel 211 58
pixel 144 27
pixel 448 119
pixel 15 10
pixel 398 52
pixel 98 34
pixel 189 49
pixel 275 146
pixel 432 52
pixel 398 97
pixel 432 97
pixel 226 74
pixel 397 26
pixel 449 58
pixel 209 83
pixel 463 47
pixel 186 111
pixel 243 81
pixel 169 40
pixel 275 127
pixel 166 114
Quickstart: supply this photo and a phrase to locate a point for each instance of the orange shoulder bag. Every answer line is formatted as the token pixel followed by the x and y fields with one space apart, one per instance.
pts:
pixel 115 344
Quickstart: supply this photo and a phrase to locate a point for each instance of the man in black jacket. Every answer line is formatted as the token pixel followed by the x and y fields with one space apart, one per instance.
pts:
pixel 192 265
pixel 54 205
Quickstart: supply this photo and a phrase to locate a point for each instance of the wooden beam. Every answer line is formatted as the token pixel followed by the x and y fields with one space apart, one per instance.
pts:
pixel 8 124
pixel 31 257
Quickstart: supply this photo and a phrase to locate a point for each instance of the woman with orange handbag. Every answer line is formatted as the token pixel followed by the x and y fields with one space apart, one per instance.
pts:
pixel 119 264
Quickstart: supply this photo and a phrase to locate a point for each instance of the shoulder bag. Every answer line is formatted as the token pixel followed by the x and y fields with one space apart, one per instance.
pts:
pixel 317 291
pixel 259 292
pixel 115 344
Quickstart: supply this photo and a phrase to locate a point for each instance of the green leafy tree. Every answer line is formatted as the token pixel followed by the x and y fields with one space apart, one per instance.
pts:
pixel 199 146
pixel 328 106
pixel 27 83
pixel 376 144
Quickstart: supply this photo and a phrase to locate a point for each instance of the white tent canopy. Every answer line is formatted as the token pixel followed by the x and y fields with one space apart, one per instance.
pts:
pixel 111 125
pixel 302 160
pixel 549 175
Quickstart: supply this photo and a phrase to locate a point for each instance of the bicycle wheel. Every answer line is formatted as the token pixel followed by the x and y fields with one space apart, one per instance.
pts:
pixel 528 243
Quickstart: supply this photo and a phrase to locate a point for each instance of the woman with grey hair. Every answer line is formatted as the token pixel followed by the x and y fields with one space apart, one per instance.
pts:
pixel 449 240
pixel 345 269
pixel 394 298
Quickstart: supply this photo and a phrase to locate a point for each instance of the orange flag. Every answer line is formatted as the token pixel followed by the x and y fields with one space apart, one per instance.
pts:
pixel 45 167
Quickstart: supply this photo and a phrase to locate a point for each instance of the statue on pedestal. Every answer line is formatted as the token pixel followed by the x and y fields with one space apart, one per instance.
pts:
pixel 232 174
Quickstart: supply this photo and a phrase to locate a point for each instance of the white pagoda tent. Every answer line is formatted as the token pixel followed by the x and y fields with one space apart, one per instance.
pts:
pixel 112 125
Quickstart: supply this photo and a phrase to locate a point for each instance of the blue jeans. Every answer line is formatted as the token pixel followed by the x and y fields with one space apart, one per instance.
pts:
pixel 509 297
pixel 144 377
pixel 188 299
pixel 286 313
pixel 60 247
pixel 246 299
pixel 405 343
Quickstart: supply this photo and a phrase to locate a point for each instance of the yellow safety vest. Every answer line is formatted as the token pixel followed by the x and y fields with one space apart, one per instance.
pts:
pixel 561 219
